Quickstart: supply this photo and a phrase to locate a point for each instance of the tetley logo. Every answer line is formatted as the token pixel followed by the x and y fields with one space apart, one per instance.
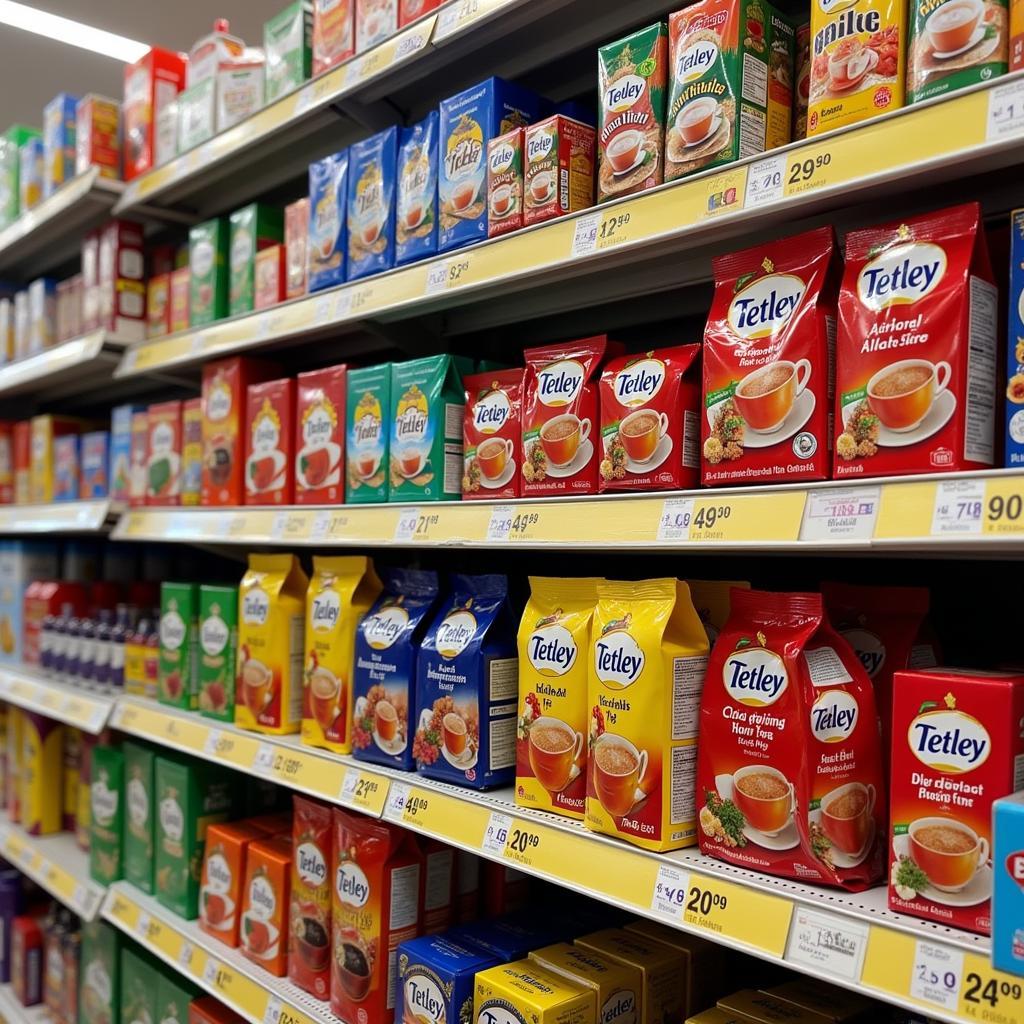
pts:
pixel 326 611
pixel 624 92
pixel 491 412
pixel 310 865
pixel 351 884
pixel 765 306
pixel 618 658
pixel 868 647
pixel 385 626
pixel 901 275
pixel 552 650
pixel 501 157
pixel 948 740
pixel 425 999
pixel 834 716
pixel 695 60
pixel 753 675
pixel 639 382
pixel 560 383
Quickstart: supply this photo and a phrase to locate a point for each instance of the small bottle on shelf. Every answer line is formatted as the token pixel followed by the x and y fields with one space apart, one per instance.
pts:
pixel 86 651
pixel 46 643
pixel 101 651
pixel 118 637
pixel 59 641
pixel 72 649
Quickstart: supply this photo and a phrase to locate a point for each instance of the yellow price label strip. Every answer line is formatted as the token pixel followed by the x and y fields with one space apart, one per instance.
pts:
pixel 1003 512
pixel 738 912
pixel 364 791
pixel 733 519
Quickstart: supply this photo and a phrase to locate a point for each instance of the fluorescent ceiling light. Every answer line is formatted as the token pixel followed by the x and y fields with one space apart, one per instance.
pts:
pixel 74 33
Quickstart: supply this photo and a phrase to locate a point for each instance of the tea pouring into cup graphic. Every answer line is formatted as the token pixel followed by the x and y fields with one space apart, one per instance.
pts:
pixel 765 397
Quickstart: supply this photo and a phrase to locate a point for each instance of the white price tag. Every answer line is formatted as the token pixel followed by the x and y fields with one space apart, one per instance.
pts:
pixel 343 304
pixel 321 524
pixel 264 759
pixel 197 344
pixel 764 182
pixel 142 925
pixel 272 1013
pixel 437 278
pixel 500 522
pixel 212 742
pixel 80 898
pixel 210 970
pixel 958 508
pixel 848 514
pixel 825 942
pixel 397 796
pixel 349 784
pixel 1005 111
pixel 408 45
pixel 669 891
pixel 584 235
pixel 496 833
pixel 278 524
pixel 185 955
pixel 453 16
pixel 676 515
pixel 263 326
pixel 937 974
pixel 405 528
pixel 322 310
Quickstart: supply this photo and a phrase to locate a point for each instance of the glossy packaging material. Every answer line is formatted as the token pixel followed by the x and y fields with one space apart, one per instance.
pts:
pixel 371 204
pixel 435 979
pixel 269 447
pixel 218 651
pixel 151 87
pixel 492 434
pixel 266 899
pixel 309 932
pixel 320 436
pixel 140 813
pixel 58 142
pixel 368 429
pixel 106 814
pixel 416 199
pixel 328 240
pixel 98 136
pixel 221 884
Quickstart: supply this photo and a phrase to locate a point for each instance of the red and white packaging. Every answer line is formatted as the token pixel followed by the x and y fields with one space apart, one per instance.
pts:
pixel 122 280
pixel 91 281
pixel 98 136
pixel 269 461
pixel 320 436
pixel 558 168
pixel 269 277
pixel 334 33
pixel 768 358
pixel 151 87
pixel 560 416
pixel 650 403
pixel 492 433
pixel 296 234
pixel 6 462
pixel 916 348
pixel 138 458
pixel 410 10
pixel 376 20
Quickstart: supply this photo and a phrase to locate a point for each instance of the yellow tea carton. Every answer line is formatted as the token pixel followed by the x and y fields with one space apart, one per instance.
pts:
pixel 271 623
pixel 617 986
pixel 554 638
pixel 749 1004
pixel 42 774
pixel 525 991
pixel 648 655
pixel 340 594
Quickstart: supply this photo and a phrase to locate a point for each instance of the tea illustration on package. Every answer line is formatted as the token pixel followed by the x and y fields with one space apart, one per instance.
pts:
pixel 416 220
pixel 366 448
pixel 371 204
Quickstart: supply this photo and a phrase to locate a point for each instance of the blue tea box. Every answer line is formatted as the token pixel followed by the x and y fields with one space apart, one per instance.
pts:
pixel 435 979
pixel 416 219
pixel 21 562
pixel 328 194
pixel 30 174
pixel 58 142
pixel 506 938
pixel 66 454
pixel 1008 884
pixel 1015 346
pixel 469 120
pixel 371 204
pixel 384 673
pixel 467 686
pixel 121 449
pixel 95 469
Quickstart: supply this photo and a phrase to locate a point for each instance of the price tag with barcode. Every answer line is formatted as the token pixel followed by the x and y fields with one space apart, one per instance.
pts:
pixel 81 899
pixel 846 514
pixel 349 784
pixel 958 508
pixel 212 742
pixel 405 528
pixel 397 797
pixel 142 925
pixel 676 516
pixel 185 955
pixel 278 525
pixel 496 833
pixel 264 759
pixel 669 891
pixel 1005 111
pixel 198 343
pixel 272 1014
pixel 343 304
pixel 210 970
pixel 453 16
pixel 828 943
pixel 437 278
pixel 500 522
pixel 937 975
pixel 764 182
pixel 584 235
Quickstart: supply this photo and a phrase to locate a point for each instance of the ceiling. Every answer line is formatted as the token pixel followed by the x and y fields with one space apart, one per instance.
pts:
pixel 33 69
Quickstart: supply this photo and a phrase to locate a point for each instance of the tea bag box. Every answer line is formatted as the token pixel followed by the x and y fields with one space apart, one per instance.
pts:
pixel 1008 892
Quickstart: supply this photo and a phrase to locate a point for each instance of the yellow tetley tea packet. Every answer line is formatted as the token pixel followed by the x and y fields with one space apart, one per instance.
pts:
pixel 340 594
pixel 532 994
pixel 648 656
pixel 618 986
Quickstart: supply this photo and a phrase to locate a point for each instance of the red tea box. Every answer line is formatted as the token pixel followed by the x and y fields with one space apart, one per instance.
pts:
pixel 649 421
pixel 6 462
pixel 210 1010
pixel 560 416
pixel 180 294
pixel 269 284
pixel 505 183
pixel 410 10
pixel 122 285
pixel 27 960
pixel 296 234
pixel 151 87
pixel 269 464
pixel 263 926
pixel 492 434
pixel 158 305
pixel 163 463
pixel 138 459
pixel 98 136
pixel 22 441
pixel 916 348
pixel 225 384
pixel 91 281
pixel 334 33
pixel 768 363
pixel 223 876
pixel 559 168
pixel 957 748
pixel 309 930
pixel 320 436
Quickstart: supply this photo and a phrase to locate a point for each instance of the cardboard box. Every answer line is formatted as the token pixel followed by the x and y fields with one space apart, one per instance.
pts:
pixel 122 280
pixel 179 645
pixel 208 265
pixel 253 228
pixel 288 45
pixel 539 995
pixel 58 142
pixel 140 809
pixel 151 87
pixel 1008 890
pixel 222 883
pixel 100 972
pixel 98 136
pixel 106 814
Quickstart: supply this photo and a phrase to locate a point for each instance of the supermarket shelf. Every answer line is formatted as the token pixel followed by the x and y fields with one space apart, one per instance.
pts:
pixel 73 367
pixel 54 862
pixel 12 1012
pixel 59 517
pixel 618 250
pixel 51 234
pixel 218 969
pixel 31 691
pixel 871 948
pixel 951 513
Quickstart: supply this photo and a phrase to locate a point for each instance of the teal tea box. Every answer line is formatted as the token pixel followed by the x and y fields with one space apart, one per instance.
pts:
pixel 371 204
pixel 384 676
pixel 467 686
pixel 416 213
pixel 435 979
pixel 469 121
pixel 1015 346
pixel 367 405
pixel 1008 887
pixel 328 190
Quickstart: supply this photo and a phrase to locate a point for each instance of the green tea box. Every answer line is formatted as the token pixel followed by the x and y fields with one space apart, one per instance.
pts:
pixel 139 763
pixel 208 272
pixel 288 46
pixel 139 979
pixel 191 796
pixel 178 679
pixel 99 973
pixel 367 405
pixel 173 994
pixel 252 228
pixel 218 647
pixel 106 814
pixel 427 406
pixel 10 164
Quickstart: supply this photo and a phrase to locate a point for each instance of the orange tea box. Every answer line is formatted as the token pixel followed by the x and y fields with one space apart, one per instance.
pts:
pixel 551 751
pixel 648 653
pixel 957 747
pixel 158 305
pixel 320 436
pixel 296 232
pixel 1016 35
pixel 223 877
pixel 505 183
pixel 858 62
pixel 309 928
pixel 649 421
pixel 269 462
pixel 560 416
pixel 340 594
pixel 263 924
pixel 269 287
pixel 491 434
pixel 916 348
pixel 558 174
pixel 163 462
pixel 271 619
pixel 225 384
pixel 334 33
pixel 768 363
pixel 377 871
